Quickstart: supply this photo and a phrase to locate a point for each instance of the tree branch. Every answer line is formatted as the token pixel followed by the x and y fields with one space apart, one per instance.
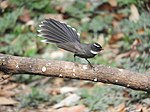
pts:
pixel 100 73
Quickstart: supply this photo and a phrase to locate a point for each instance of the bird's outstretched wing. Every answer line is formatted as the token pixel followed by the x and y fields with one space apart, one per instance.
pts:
pixel 57 32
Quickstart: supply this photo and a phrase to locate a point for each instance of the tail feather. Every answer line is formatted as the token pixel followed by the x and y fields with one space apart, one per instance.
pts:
pixel 54 28
pixel 71 31
pixel 56 24
pixel 46 26
pixel 62 27
pixel 55 36
pixel 57 32
pixel 50 39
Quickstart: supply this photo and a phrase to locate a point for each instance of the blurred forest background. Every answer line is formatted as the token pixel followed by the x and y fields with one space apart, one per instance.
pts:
pixel 122 27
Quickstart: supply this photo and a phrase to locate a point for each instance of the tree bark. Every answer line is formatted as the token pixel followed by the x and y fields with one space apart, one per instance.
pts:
pixel 99 73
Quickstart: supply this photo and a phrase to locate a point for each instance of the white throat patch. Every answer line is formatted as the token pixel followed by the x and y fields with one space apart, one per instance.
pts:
pixel 93 52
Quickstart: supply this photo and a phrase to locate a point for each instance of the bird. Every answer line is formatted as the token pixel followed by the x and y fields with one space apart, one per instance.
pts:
pixel 67 38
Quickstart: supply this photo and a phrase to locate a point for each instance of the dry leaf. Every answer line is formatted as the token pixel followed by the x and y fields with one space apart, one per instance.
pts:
pixel 101 39
pixel 145 109
pixel 113 2
pixel 68 101
pixel 139 108
pixel 136 43
pixel 58 82
pixel 111 109
pixel 58 17
pixel 30 23
pixel 105 6
pixel 26 16
pixel 54 91
pixel 57 55
pixel 114 46
pixel 134 54
pixel 123 55
pixel 141 31
pixel 115 24
pixel 79 108
pixel 10 86
pixel 3 4
pixel 6 90
pixel 7 101
pixel 134 13
pixel 84 35
pixel 7 93
pixel 88 5
pixel 116 37
pixel 66 89
pixel 119 16
pixel 120 108
pixel 85 19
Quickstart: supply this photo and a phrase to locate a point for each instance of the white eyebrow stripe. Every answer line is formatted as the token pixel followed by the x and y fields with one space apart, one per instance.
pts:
pixel 96 45
pixel 93 52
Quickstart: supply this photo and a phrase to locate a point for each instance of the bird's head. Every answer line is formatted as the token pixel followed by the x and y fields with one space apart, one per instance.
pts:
pixel 96 48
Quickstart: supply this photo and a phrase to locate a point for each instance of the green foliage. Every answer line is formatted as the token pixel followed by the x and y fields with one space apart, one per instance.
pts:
pixel 31 4
pixel 100 23
pixel 56 99
pixel 18 39
pixel 34 98
pixel 140 64
pixel 78 8
pixel 127 2
pixel 17 44
pixel 103 61
pixel 100 98
pixel 138 96
pixel 129 28
pixel 37 97
pixel 8 21
pixel 26 78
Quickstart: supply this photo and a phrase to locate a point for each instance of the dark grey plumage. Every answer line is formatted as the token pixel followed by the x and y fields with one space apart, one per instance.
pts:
pixel 66 37
pixel 58 32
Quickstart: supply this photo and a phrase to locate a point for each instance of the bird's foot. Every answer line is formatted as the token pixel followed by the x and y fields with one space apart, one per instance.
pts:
pixel 91 66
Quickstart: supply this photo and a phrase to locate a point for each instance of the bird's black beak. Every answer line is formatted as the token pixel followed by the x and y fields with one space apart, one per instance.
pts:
pixel 100 50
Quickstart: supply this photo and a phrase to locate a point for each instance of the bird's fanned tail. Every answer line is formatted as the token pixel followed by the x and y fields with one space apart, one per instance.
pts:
pixel 57 32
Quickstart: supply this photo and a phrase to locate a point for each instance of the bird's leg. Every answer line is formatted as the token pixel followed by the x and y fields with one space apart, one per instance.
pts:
pixel 89 62
pixel 74 57
pixel 75 60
